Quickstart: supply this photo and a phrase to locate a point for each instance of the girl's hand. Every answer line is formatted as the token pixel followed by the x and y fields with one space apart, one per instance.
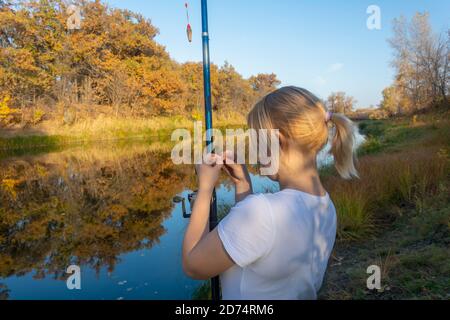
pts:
pixel 237 172
pixel 239 175
pixel 208 173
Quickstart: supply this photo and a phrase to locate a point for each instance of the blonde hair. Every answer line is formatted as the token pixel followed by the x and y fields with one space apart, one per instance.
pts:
pixel 302 118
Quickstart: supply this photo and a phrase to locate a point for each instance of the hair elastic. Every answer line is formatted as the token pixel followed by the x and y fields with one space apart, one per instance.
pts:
pixel 328 116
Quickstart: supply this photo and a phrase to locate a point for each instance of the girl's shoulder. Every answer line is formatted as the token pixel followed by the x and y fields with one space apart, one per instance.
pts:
pixel 264 201
pixel 255 207
pixel 254 201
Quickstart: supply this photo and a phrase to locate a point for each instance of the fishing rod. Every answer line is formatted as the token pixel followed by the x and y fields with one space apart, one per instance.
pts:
pixel 213 221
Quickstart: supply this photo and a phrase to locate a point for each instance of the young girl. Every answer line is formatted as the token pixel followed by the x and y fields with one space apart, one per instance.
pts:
pixel 274 246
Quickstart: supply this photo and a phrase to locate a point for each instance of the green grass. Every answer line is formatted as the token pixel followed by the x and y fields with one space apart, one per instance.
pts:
pixel 32 142
pixel 374 128
pixel 413 254
pixel 35 145
pixel 32 145
pixel 393 135
pixel 355 218
pixel 203 292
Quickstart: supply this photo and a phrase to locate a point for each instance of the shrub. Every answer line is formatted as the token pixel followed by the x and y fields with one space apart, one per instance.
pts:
pixel 354 217
pixel 372 145
pixel 38 116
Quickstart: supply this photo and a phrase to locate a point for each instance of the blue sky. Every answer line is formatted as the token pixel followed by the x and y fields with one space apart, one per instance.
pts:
pixel 321 45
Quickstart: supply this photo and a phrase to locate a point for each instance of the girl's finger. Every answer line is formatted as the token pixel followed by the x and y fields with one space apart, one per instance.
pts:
pixel 210 159
pixel 228 170
pixel 229 157
pixel 220 160
pixel 214 159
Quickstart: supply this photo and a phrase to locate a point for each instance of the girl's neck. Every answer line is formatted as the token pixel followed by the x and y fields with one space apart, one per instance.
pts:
pixel 301 175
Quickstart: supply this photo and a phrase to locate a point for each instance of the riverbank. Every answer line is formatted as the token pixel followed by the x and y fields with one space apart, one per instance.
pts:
pixel 404 187
pixel 52 134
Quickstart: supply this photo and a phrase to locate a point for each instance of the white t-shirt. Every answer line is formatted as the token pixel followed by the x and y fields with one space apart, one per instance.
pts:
pixel 280 243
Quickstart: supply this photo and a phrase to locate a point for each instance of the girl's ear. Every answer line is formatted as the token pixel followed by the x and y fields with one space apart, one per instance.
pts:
pixel 283 141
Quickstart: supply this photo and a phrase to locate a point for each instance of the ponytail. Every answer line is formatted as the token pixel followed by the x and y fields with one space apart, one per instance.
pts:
pixel 343 146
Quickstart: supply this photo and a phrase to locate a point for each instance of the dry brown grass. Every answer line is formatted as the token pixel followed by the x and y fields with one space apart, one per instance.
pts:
pixel 387 181
pixel 111 128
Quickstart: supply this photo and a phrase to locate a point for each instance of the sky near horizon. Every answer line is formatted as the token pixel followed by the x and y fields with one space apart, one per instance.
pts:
pixel 322 45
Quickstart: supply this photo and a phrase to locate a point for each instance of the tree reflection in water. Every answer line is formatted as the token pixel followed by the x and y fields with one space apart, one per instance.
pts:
pixel 84 207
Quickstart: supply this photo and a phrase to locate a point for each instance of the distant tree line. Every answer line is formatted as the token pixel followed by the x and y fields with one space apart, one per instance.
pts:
pixel 112 63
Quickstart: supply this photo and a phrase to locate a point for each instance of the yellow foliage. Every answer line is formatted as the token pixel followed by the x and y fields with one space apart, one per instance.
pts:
pixel 197 115
pixel 5 110
pixel 41 171
pixel 38 115
pixel 9 185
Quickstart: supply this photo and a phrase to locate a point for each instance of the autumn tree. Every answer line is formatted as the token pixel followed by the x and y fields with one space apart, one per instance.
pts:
pixel 192 76
pixel 264 83
pixel 421 63
pixel 29 51
pixel 234 92
pixel 391 101
pixel 339 102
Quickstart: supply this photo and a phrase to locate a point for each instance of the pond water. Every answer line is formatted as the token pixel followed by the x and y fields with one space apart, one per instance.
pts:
pixel 106 208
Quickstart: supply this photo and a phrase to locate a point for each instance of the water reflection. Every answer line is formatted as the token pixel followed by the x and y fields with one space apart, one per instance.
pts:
pixel 84 207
